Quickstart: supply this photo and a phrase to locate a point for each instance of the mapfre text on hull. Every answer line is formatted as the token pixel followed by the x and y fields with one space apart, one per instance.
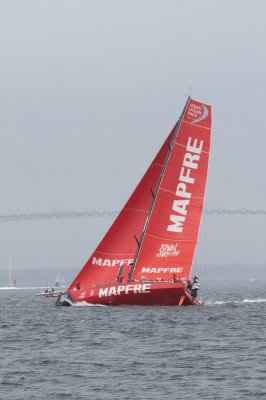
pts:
pixel 145 294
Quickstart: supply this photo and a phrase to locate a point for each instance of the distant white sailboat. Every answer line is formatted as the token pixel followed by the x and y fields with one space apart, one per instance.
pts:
pixel 54 291
pixel 253 278
pixel 60 281
pixel 12 283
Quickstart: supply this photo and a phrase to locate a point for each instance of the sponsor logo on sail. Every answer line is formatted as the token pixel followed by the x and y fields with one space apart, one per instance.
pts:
pixel 185 184
pixel 107 262
pixel 168 250
pixel 124 289
pixel 162 270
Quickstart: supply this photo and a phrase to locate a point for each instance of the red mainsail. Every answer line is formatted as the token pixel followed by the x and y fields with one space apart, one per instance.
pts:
pixel 170 235
pixel 118 247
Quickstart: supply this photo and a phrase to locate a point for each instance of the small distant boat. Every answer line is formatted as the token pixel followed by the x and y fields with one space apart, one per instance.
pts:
pixel 50 292
pixel 54 291
pixel 253 278
pixel 60 281
pixel 146 256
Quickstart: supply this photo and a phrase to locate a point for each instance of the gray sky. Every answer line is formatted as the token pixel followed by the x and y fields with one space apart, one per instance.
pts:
pixel 90 90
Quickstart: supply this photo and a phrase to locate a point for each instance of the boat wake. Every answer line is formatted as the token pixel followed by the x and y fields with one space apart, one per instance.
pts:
pixel 85 304
pixel 259 300
pixel 220 302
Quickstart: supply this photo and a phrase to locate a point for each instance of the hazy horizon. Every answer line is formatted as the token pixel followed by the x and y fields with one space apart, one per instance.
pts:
pixel 90 90
pixel 207 273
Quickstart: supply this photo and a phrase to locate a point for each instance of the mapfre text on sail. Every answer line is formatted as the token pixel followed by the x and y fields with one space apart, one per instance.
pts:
pixel 185 184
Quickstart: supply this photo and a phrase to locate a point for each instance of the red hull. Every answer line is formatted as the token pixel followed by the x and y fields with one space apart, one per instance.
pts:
pixel 134 293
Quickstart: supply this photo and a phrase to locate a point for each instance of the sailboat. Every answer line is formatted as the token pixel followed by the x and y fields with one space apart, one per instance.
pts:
pixel 12 283
pixel 55 290
pixel 59 281
pixel 146 256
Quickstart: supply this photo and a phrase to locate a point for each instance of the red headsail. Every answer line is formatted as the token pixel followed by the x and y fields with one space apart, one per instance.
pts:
pixel 171 231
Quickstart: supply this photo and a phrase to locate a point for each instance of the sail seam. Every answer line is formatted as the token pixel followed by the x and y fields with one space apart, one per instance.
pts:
pixel 199 126
pixel 170 191
pixel 135 209
pixel 170 240
pixel 114 254
pixel 182 145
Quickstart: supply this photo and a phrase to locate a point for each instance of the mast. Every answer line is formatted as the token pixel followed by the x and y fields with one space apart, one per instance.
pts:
pixel 154 194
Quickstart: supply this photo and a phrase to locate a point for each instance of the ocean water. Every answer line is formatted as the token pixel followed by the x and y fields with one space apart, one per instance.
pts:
pixel 216 351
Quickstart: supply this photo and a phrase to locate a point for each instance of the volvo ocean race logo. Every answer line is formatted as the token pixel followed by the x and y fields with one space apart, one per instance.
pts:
pixel 197 112
pixel 168 250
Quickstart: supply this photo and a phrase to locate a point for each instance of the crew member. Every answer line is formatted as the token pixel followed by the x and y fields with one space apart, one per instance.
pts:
pixel 78 285
pixel 189 284
pixel 195 287
pixel 174 278
pixel 119 279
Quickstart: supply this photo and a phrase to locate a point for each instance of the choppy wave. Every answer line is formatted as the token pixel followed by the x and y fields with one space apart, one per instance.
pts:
pixel 103 352
pixel 22 288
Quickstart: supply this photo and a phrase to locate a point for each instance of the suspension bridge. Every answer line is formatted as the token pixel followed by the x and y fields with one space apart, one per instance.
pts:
pixel 48 215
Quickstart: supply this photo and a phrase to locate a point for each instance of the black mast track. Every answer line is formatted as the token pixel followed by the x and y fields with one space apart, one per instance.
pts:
pixel 157 189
